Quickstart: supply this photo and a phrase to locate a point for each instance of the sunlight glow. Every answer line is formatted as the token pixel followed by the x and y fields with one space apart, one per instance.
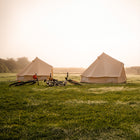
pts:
pixel 70 33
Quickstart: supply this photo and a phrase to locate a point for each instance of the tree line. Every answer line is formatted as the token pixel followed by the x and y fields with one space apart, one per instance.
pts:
pixel 12 65
pixel 133 70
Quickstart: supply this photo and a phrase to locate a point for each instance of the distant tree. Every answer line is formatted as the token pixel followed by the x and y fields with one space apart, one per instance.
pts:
pixel 133 70
pixel 138 70
pixel 11 64
pixel 22 62
pixel 3 67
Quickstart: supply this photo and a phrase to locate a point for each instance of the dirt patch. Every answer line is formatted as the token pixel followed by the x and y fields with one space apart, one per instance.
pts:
pixel 131 103
pixel 109 89
pixel 85 102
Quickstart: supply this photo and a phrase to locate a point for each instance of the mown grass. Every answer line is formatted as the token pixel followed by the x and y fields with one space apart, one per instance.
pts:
pixel 87 112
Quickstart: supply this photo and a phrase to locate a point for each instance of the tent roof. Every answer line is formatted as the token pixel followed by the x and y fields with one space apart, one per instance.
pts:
pixel 36 66
pixel 104 66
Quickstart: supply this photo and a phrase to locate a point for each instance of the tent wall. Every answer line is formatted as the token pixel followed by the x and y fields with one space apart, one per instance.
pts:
pixel 26 78
pixel 30 77
pixel 99 79
pixel 122 78
pixel 52 72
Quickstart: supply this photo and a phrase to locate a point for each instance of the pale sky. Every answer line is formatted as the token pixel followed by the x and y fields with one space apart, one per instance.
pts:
pixel 70 33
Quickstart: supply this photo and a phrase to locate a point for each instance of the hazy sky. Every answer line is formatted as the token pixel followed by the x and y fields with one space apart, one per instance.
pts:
pixel 70 33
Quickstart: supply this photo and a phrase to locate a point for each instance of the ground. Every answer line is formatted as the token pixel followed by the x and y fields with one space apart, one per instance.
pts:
pixel 87 112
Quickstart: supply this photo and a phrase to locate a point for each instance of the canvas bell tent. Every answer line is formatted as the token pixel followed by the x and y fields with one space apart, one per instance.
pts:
pixel 104 69
pixel 38 66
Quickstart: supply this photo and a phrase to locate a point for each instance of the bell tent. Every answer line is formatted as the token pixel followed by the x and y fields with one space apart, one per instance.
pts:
pixel 104 69
pixel 38 67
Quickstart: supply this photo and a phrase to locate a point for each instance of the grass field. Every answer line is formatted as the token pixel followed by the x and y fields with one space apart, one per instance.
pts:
pixel 87 112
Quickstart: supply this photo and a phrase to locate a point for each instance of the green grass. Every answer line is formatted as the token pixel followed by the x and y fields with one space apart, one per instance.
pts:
pixel 7 77
pixel 90 111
